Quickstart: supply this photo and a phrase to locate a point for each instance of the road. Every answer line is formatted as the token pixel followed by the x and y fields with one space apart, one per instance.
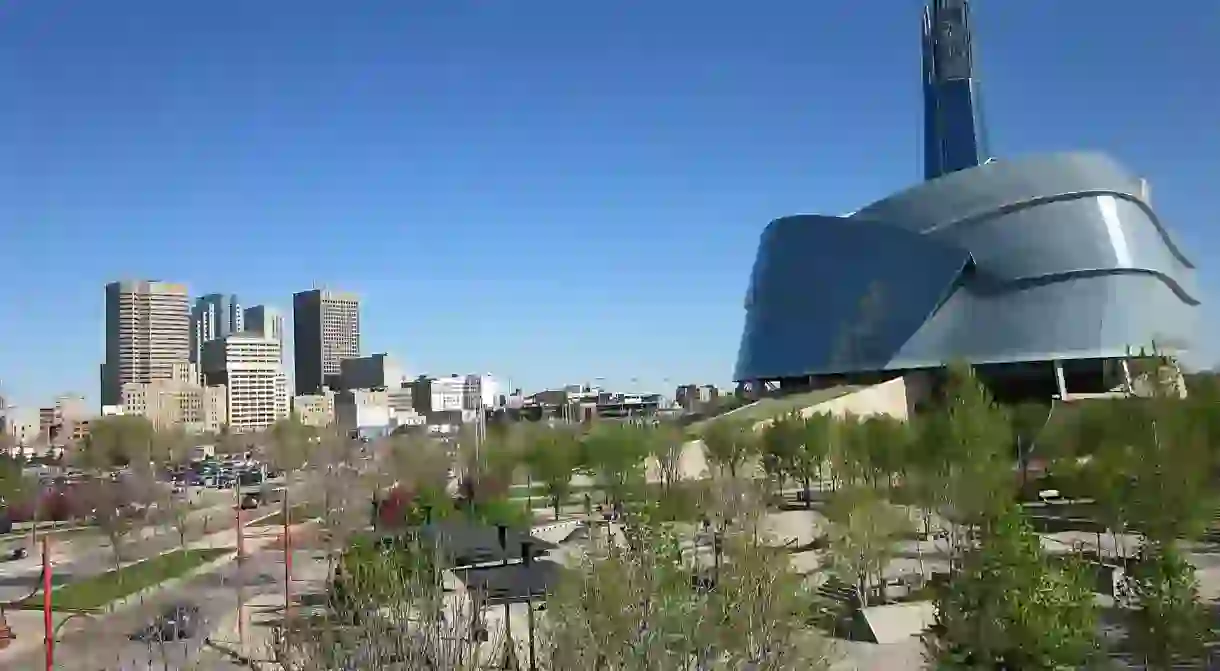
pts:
pixel 85 557
pixel 103 644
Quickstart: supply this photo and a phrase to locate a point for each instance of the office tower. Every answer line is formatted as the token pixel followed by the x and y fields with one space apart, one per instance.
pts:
pixel 148 332
pixel 955 137
pixel 248 366
pixel 325 330
pixel 265 321
pixel 214 316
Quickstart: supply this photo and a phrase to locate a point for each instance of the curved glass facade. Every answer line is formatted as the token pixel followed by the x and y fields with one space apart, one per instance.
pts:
pixel 1050 257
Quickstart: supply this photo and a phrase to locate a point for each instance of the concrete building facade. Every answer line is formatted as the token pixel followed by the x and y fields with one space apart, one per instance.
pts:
pixel 148 331
pixel 692 396
pixel 375 371
pixel 363 412
pixel 326 330
pixel 317 410
pixel 22 424
pixel 248 366
pixel 172 403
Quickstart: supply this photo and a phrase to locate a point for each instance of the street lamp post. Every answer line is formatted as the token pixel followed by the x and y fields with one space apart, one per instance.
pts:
pixel 47 622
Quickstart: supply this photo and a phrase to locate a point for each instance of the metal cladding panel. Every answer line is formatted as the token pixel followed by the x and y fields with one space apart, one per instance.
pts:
pixel 1065 261
pixel 830 294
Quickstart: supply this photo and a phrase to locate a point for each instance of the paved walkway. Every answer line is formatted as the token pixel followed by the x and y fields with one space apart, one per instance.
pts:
pixel 215 591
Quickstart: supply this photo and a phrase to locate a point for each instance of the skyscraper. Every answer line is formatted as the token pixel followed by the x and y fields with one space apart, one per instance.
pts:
pixel 214 316
pixel 325 330
pixel 148 334
pixel 265 321
pixel 955 136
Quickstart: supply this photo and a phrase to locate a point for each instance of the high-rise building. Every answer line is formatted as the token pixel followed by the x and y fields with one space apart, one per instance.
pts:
pixel 325 330
pixel 265 321
pixel 248 365
pixel 213 316
pixel 955 137
pixel 148 332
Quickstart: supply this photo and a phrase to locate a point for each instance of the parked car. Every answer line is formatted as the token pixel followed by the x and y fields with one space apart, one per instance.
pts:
pixel 15 554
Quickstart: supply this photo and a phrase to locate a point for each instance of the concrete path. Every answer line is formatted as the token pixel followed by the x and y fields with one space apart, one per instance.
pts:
pixel 81 558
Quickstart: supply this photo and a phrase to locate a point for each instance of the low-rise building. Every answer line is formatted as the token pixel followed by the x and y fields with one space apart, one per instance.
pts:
pixel 22 425
pixel 694 396
pixel 375 371
pixel 587 404
pixel 316 410
pixel 66 421
pixel 363 412
pixel 167 403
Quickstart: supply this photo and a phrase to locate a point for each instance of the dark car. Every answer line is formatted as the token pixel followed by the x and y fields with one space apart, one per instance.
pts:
pixel 14 554
pixel 176 622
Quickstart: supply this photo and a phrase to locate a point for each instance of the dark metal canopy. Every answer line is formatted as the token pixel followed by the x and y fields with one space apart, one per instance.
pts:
pixel 463 543
pixel 514 583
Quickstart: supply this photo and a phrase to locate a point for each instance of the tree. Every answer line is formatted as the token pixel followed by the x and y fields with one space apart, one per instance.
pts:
pixel 1168 625
pixel 415 463
pixel 171 446
pixel 729 443
pixel 180 516
pixel 963 455
pixel 17 489
pixel 389 610
pixel 110 507
pixel 1169 478
pixel 636 606
pixel 117 440
pixel 817 437
pixel 291 443
pixel 552 458
pixel 1027 420
pixel 780 442
pixel 666 447
pixel 15 486
pixel 1009 608
pixel 863 530
pixel 615 452
pixel 885 440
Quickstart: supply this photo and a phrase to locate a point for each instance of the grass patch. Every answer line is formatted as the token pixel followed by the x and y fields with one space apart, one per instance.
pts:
pixel 770 407
pixel 97 591
pixel 53 532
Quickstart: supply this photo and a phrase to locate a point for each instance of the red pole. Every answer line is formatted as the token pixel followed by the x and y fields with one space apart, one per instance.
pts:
pixel 241 555
pixel 287 563
pixel 241 536
pixel 48 625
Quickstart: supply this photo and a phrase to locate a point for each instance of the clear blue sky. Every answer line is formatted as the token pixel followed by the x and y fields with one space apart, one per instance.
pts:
pixel 549 190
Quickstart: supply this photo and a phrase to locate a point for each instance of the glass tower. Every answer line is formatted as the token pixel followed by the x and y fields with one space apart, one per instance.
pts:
pixel 955 137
